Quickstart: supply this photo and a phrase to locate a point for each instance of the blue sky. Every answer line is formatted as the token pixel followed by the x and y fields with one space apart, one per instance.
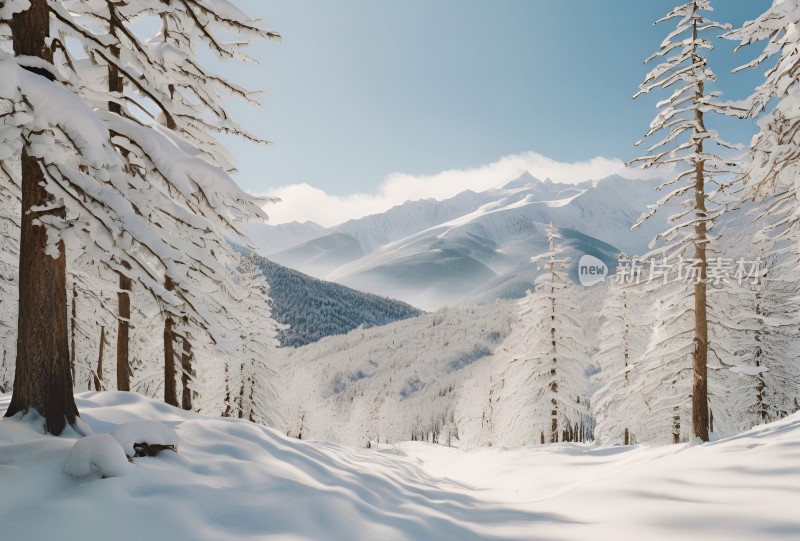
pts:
pixel 361 89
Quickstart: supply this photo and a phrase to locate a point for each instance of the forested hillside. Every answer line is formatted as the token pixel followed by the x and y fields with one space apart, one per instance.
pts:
pixel 313 309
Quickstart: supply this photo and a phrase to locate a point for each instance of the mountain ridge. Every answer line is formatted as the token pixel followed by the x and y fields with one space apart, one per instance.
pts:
pixel 432 253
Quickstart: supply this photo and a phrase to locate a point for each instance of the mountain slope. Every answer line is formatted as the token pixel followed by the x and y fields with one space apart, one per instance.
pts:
pixel 476 247
pixel 314 309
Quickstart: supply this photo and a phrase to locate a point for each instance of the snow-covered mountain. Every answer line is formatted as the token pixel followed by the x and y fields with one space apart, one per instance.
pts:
pixel 474 247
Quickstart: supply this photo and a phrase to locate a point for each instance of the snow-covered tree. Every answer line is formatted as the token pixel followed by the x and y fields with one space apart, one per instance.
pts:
pixel 685 142
pixel 158 211
pixel 622 341
pixel 546 381
pixel 91 295
pixel 161 77
pixel 759 330
pixel 243 383
pixel 774 157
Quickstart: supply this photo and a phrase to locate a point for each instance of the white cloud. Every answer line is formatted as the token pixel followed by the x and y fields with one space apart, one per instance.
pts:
pixel 302 202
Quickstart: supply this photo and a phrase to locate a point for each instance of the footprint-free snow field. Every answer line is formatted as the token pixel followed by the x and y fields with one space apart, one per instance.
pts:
pixel 233 480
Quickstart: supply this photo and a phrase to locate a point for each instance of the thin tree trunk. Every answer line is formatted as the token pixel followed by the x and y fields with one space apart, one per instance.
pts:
pixel 227 412
pixel 761 386
pixel 123 332
pixel 676 425
pixel 700 357
pixel 73 324
pixel 43 380
pixel 115 84
pixel 553 373
pixel 241 393
pixel 170 384
pixel 98 376
pixel 187 373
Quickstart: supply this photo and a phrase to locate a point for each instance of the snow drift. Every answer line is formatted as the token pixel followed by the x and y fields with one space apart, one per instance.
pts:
pixel 235 480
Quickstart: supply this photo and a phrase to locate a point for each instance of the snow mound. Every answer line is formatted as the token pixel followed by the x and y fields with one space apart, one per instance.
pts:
pixel 143 432
pixel 96 455
pixel 236 480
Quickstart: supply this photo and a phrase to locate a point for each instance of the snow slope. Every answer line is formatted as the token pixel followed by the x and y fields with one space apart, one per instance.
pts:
pixel 476 247
pixel 234 480
pixel 391 383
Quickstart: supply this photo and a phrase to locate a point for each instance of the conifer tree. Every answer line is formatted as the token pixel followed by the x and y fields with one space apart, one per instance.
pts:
pixel 774 155
pixel 100 182
pixel 685 142
pixel 622 340
pixel 551 360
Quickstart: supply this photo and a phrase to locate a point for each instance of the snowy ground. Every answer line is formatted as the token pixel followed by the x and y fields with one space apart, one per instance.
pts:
pixel 234 480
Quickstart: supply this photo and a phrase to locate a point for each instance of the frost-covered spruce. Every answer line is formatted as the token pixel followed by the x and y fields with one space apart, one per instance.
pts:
pixel 549 403
pixel 243 384
pixel 774 157
pixel 622 340
pixel 137 194
pixel 772 167
pixel 759 330
pixel 161 77
pixel 683 141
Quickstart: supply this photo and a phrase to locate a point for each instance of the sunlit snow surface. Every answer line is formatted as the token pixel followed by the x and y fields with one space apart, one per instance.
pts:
pixel 234 480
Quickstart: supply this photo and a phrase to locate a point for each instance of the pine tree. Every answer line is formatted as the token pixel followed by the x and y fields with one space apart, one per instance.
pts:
pixel 760 328
pixel 774 156
pixel 687 143
pixel 42 379
pixel 162 70
pixel 549 403
pixel 135 192
pixel 622 341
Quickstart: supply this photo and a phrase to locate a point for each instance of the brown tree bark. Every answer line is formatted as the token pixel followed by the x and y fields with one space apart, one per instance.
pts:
pixel 187 373
pixel 98 375
pixel 170 383
pixel 700 356
pixel 115 84
pixel 43 379
pixel 73 325
pixel 123 330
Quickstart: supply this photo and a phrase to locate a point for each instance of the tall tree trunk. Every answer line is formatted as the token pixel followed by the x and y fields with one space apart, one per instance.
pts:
pixel 115 84
pixel 73 325
pixel 123 329
pixel 187 373
pixel 170 384
pixel 241 392
pixel 98 376
pixel 700 357
pixel 43 380
pixel 553 373
pixel 228 409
